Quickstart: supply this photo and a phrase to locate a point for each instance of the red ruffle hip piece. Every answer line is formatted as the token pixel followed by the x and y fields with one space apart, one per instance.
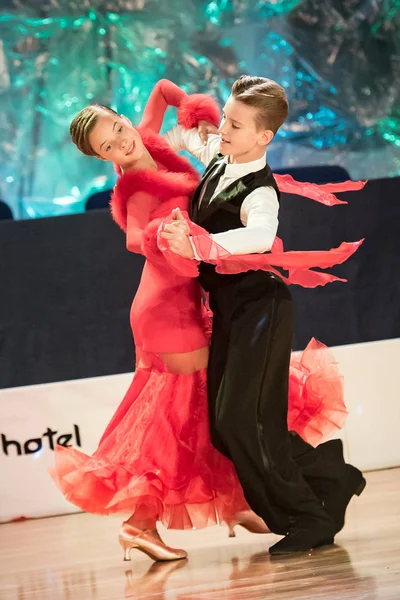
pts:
pixel 317 408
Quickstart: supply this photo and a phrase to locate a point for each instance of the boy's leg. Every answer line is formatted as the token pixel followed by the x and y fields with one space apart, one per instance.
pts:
pixel 251 408
pixel 332 480
pixel 215 373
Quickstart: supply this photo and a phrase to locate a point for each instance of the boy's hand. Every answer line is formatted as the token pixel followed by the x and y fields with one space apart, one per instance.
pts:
pixel 204 128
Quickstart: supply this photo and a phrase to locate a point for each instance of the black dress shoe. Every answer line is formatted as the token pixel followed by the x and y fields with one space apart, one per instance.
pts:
pixel 307 533
pixel 336 502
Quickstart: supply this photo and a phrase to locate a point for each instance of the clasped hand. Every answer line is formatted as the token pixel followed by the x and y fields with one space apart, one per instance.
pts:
pixel 177 235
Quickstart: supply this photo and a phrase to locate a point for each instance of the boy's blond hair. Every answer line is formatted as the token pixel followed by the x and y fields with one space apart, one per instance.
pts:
pixel 267 96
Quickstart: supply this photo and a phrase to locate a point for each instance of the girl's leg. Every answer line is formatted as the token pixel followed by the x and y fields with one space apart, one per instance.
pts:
pixel 140 530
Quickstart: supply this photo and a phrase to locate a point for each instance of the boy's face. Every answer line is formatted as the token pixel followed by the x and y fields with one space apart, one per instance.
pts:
pixel 240 138
pixel 113 138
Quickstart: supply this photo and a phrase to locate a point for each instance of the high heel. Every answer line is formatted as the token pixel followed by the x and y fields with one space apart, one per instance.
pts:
pixel 148 542
pixel 249 520
pixel 231 528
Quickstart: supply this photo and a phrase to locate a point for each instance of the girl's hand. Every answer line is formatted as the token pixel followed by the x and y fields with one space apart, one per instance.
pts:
pixel 177 236
pixel 179 220
pixel 204 128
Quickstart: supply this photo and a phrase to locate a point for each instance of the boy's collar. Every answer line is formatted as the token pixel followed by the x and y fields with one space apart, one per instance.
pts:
pixel 241 169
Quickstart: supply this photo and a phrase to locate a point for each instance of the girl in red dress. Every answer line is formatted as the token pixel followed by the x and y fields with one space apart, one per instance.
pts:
pixel 155 461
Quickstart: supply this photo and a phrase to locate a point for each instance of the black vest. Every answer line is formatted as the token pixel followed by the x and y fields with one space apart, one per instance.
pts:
pixel 223 212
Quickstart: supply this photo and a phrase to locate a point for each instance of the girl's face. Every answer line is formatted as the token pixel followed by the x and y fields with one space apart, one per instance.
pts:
pixel 113 138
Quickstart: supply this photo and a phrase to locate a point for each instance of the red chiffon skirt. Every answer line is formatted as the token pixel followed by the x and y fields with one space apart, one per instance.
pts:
pixel 156 457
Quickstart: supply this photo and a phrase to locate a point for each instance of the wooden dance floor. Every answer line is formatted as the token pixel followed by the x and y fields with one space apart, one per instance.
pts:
pixel 77 557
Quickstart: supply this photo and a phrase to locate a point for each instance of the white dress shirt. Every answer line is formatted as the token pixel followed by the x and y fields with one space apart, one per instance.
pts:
pixel 259 211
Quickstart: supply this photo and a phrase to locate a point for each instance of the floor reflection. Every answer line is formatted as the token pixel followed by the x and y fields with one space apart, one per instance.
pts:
pixel 326 574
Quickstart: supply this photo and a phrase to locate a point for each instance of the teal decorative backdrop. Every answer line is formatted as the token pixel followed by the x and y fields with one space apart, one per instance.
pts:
pixel 338 60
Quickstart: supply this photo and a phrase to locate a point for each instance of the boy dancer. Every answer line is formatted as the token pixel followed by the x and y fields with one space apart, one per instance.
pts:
pixel 237 202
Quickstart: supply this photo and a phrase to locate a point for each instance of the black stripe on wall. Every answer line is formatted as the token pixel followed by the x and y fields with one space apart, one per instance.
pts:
pixel 67 285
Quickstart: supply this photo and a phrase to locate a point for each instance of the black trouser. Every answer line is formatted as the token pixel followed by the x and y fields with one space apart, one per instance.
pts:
pixel 248 399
